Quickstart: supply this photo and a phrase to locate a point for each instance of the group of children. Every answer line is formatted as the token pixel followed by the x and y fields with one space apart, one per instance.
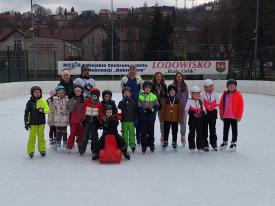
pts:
pixel 87 116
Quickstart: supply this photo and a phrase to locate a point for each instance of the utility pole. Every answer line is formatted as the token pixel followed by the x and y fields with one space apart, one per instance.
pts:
pixel 112 25
pixel 33 43
pixel 256 37
pixel 193 3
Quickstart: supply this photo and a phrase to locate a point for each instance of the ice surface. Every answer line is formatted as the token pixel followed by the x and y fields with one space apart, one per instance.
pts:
pixel 243 178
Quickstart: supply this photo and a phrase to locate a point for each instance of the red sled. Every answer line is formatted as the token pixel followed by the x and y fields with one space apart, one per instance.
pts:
pixel 111 153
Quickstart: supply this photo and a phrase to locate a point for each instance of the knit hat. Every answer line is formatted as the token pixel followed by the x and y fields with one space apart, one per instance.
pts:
pixel 84 68
pixel 231 81
pixel 65 72
pixel 59 87
pixel 172 87
pixel 95 91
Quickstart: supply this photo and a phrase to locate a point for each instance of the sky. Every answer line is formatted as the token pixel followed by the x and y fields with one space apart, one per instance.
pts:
pixel 80 5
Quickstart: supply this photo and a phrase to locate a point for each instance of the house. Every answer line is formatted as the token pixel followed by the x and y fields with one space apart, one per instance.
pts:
pixel 121 13
pixel 104 14
pixel 93 43
pixel 12 38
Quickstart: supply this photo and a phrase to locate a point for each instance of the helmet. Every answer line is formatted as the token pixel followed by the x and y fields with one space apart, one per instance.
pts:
pixel 108 107
pixel 106 92
pixel 126 89
pixel 208 82
pixel 59 87
pixel 231 81
pixel 35 88
pixel 147 84
pixel 172 87
pixel 195 89
pixel 95 91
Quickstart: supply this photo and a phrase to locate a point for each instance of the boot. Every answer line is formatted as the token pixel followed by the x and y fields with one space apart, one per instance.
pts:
pixel 126 155
pixel 95 156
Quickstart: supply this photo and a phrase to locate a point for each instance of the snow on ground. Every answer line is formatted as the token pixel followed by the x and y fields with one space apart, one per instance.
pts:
pixel 246 177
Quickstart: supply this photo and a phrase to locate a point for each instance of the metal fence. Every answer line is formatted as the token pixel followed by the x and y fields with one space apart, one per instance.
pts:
pixel 17 65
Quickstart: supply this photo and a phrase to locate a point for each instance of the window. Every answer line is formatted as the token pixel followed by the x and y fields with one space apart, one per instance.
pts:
pixel 17 41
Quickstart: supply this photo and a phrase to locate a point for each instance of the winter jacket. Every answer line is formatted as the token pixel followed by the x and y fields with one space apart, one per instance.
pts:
pixel 160 92
pixel 128 108
pixel 171 110
pixel 148 105
pixel 92 110
pixel 111 103
pixel 110 125
pixel 211 101
pixel 183 96
pixel 86 84
pixel 194 108
pixel 74 107
pixel 61 112
pixel 237 104
pixel 135 85
pixel 50 114
pixel 69 87
pixel 35 111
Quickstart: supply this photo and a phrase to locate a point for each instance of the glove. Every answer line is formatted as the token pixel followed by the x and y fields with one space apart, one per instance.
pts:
pixel 27 126
pixel 83 123
pixel 148 111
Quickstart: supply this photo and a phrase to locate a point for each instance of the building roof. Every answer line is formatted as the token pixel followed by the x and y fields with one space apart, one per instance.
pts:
pixel 7 32
pixel 65 34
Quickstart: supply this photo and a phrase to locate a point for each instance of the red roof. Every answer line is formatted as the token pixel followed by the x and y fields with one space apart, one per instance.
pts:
pixel 65 34
pixel 6 32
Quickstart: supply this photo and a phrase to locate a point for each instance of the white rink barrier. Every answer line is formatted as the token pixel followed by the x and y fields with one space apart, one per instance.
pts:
pixel 9 90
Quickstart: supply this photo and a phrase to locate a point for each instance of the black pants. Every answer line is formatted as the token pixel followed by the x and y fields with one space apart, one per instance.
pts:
pixel 226 126
pixel 61 132
pixel 119 140
pixel 195 130
pixel 210 123
pixel 147 133
pixel 90 129
pixel 167 126
pixel 138 132
pixel 52 132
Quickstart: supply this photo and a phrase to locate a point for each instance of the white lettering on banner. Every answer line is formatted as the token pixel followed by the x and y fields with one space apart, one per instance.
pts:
pixel 147 67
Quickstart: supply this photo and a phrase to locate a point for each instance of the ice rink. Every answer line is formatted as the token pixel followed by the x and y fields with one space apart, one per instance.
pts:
pixel 243 178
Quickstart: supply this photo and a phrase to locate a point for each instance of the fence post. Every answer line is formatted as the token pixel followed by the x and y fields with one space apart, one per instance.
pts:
pixel 8 55
pixel 55 68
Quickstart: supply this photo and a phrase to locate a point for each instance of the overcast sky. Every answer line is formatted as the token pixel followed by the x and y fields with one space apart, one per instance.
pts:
pixel 80 5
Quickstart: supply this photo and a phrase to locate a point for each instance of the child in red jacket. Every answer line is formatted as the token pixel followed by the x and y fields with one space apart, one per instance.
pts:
pixel 91 119
pixel 231 112
pixel 74 107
